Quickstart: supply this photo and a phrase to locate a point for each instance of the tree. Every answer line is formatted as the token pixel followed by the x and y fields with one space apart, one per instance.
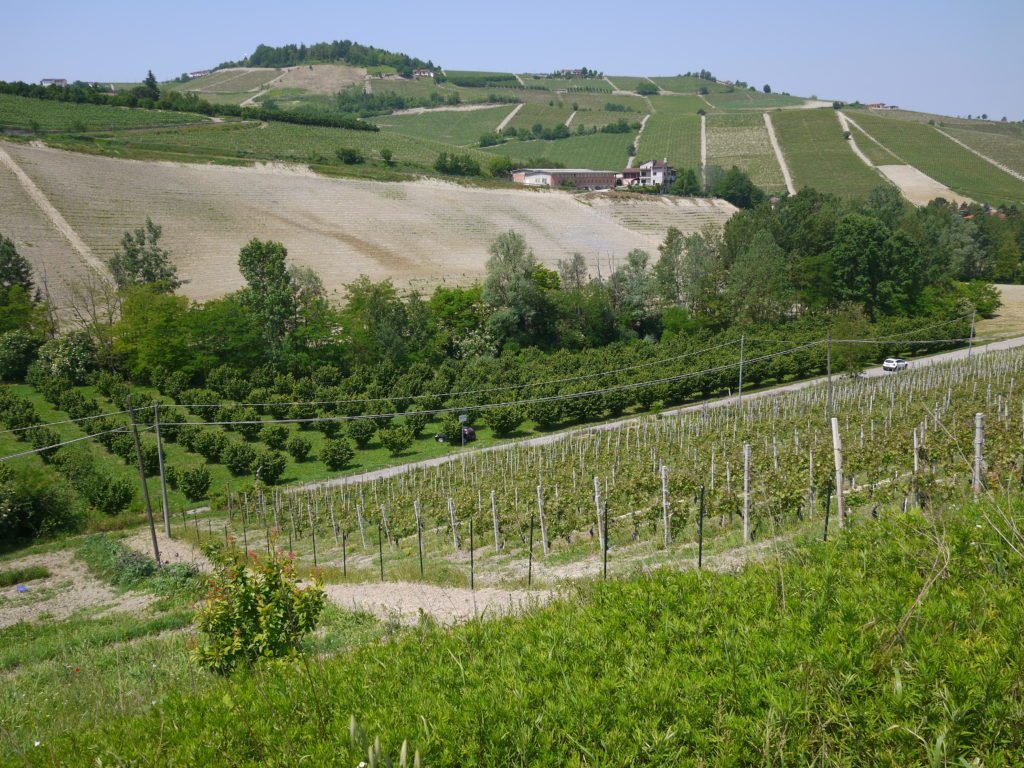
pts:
pixel 766 88
pixel 509 287
pixel 141 261
pixel 686 184
pixel 668 271
pixel 572 272
pixel 858 260
pixel 759 283
pixel 396 439
pixel 387 156
pixel 703 276
pixel 633 290
pixel 736 187
pixel 270 295
pixel 150 87
pixel 501 166
pixel 195 482
pixel 504 421
pixel 268 466
pixel 337 454
pixel 299 447
pixel 361 431
pixel 14 268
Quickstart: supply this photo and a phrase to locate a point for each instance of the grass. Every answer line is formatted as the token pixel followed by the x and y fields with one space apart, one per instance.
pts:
pixel 603 151
pixel 741 139
pixel 875 152
pixel 627 82
pixel 818 156
pixel 545 114
pixel 682 84
pixel 459 128
pixel 676 137
pixel 8 578
pixel 676 106
pixel 25 113
pixel 560 84
pixel 276 141
pixel 1003 147
pixel 746 99
pixel 945 161
pixel 849 649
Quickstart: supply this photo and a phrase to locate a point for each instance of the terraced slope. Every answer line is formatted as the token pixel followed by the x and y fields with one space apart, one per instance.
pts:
pixel 741 139
pixel 422 232
pixel 932 153
pixel 818 156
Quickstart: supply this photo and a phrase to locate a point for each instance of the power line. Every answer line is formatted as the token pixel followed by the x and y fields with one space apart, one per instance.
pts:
pixel 65 421
pixel 61 444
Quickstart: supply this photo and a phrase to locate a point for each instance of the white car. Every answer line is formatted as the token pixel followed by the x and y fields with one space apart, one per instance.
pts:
pixel 894 364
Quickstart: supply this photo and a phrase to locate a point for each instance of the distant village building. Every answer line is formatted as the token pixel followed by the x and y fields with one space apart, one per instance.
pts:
pixel 199 73
pixel 653 173
pixel 53 81
pixel 882 105
pixel 423 73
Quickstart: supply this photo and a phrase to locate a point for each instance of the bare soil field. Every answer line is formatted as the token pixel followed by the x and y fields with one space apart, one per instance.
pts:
pixel 321 78
pixel 416 233
pixel 70 588
pixel 919 188
pixel 1009 318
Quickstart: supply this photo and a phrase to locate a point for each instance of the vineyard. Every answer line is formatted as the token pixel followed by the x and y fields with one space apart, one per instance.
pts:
pixel 29 114
pixel 742 140
pixel 659 490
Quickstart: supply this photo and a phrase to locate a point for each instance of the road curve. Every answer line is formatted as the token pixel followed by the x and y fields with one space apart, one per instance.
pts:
pixel 385 472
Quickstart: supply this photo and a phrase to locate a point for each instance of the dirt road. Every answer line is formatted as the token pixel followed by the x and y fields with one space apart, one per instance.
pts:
pixel 778 154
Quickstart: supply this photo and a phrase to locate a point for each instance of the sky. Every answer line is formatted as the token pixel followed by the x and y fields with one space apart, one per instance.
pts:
pixel 953 58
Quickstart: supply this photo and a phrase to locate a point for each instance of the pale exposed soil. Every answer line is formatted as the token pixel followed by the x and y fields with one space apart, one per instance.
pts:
pixel 1009 318
pixel 69 589
pixel 508 118
pixel 447 108
pixel 446 605
pixel 917 187
pixel 321 78
pixel 778 154
pixel 172 551
pixel 417 233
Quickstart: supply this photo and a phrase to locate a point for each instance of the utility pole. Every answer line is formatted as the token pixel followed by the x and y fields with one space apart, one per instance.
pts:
pixel 837 449
pixel 145 488
pixel 739 397
pixel 160 459
pixel 828 373
pixel 970 341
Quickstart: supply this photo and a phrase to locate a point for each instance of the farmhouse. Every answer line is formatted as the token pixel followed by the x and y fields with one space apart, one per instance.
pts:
pixel 578 178
pixel 882 105
pixel 53 81
pixel 423 73
pixel 198 73
pixel 653 173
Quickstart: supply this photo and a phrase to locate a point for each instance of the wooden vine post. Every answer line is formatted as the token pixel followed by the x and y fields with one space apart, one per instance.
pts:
pixel 597 506
pixel 665 505
pixel 494 516
pixel 160 463
pixel 837 449
pixel 145 488
pixel 978 481
pixel 746 493
pixel 451 520
pixel 543 521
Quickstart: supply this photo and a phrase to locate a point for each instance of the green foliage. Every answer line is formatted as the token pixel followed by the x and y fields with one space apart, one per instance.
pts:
pixel 646 88
pixel 268 295
pixel 350 156
pixel 17 351
pixel 503 421
pixel 11 576
pixel 14 268
pixel 396 439
pixel 67 358
pixel 194 482
pixel 239 458
pixel 268 466
pixel 736 187
pixel 123 567
pixel 33 504
pixel 141 261
pixel 276 436
pixel 299 447
pixel 361 431
pixel 337 454
pixel 454 164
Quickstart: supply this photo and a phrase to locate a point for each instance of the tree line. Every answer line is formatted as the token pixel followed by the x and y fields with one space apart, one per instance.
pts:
pixel 356 54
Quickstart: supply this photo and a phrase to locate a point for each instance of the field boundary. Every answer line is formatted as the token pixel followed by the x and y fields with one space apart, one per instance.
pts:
pixel 703 150
pixel 636 142
pixel 787 177
pixel 508 118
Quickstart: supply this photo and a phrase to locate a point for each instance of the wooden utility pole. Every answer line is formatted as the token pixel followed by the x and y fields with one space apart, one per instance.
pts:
pixel 970 341
pixel 494 516
pixel 145 488
pixel 828 373
pixel 665 505
pixel 837 448
pixel 163 479
pixel 739 397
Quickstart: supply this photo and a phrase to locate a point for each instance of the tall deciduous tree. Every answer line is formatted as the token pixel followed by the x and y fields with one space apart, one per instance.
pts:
pixel 509 286
pixel 14 268
pixel 142 261
pixel 759 284
pixel 270 295
pixel 668 271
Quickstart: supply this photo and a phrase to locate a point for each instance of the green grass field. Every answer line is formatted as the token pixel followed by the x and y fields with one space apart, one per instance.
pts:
pixel 1003 147
pixel 675 137
pixel 26 114
pixel 546 115
pixel 876 153
pixel 599 117
pixel 604 151
pixel 627 82
pixel 741 139
pixel 818 156
pixel 276 141
pixel 226 81
pixel 746 99
pixel 944 160
pixel 460 128
pixel 679 105
pixel 588 85
pixel 682 84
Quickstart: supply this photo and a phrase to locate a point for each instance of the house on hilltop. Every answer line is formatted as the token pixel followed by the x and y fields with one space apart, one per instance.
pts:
pixel 198 73
pixel 653 173
pixel 60 81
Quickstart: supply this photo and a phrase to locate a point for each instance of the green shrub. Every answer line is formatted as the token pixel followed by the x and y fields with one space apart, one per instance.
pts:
pixel 396 439
pixel 504 421
pixel 350 156
pixel 450 429
pixel 361 431
pixel 194 482
pixel 299 447
pixel 33 503
pixel 250 429
pixel 255 611
pixel 337 454
pixel 17 351
pixel 20 575
pixel 238 458
pixel 417 422
pixel 274 435
pixel 68 357
pixel 268 466
pixel 210 444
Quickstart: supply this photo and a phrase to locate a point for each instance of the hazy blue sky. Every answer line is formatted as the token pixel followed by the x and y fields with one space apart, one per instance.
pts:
pixel 932 55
